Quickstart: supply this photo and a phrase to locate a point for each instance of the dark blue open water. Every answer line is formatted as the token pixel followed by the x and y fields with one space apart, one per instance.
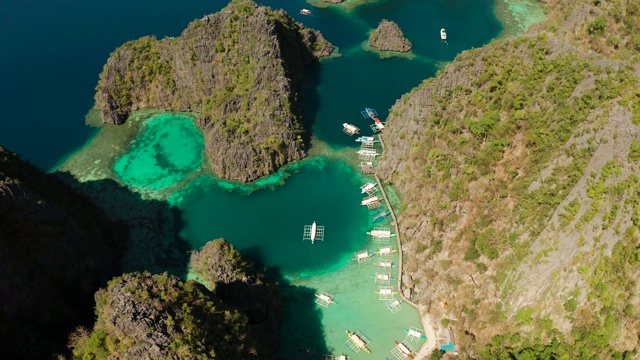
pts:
pixel 51 53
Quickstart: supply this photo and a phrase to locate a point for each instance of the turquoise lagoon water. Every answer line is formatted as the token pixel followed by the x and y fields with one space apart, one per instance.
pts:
pixel 265 221
pixel 168 149
pixel 53 52
pixel 268 224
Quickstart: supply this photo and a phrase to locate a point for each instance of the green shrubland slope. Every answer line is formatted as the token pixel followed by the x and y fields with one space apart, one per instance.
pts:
pixel 518 170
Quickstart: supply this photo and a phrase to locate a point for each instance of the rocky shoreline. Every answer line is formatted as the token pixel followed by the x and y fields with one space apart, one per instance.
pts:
pixel 388 37
pixel 239 69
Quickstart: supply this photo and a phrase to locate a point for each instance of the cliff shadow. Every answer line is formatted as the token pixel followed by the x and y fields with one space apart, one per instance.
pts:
pixel 57 248
pixel 301 335
pixel 309 99
pixel 153 243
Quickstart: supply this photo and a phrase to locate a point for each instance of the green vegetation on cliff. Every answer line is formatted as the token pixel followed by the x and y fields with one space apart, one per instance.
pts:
pixel 609 27
pixel 388 37
pixel 162 317
pixel 235 282
pixel 239 69
pixel 219 262
pixel 517 167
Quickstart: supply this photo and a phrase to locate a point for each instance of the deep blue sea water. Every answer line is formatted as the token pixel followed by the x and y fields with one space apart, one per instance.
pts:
pixel 51 53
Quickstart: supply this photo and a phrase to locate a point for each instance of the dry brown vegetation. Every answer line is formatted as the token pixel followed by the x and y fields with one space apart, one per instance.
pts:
pixel 517 168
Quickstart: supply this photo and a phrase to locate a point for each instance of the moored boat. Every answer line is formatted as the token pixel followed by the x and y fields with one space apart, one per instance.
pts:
pixel 367 187
pixel 362 256
pixel 357 341
pixel 368 152
pixel 385 264
pixel 404 350
pixel 350 129
pixel 382 277
pixel 370 200
pixel 443 34
pixel 386 292
pixel 325 298
pixel 416 334
pixel 314 229
pixel 386 250
pixel 373 115
pixel 367 139
pixel 381 216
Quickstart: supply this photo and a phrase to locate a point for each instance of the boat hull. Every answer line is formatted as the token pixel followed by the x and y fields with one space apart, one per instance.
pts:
pixel 314 229
pixel 404 350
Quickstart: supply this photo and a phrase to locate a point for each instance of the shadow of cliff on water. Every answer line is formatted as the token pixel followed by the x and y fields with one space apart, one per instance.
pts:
pixel 310 99
pixel 57 248
pixel 154 243
pixel 301 334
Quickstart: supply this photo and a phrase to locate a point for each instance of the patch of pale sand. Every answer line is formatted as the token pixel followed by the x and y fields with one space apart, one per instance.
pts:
pixel 430 332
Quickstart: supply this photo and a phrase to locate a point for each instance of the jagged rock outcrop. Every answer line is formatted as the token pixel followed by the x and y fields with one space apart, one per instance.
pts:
pixel 56 250
pixel 388 37
pixel 144 316
pixel 219 262
pixel 235 282
pixel 239 69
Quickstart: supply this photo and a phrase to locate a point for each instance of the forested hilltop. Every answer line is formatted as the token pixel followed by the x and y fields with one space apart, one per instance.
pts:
pixel 239 69
pixel 145 316
pixel 518 169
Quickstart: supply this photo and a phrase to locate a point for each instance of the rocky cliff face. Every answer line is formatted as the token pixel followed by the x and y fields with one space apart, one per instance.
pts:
pixel 517 167
pixel 220 263
pixel 388 37
pixel 144 316
pixel 239 69
pixel 235 282
pixel 56 250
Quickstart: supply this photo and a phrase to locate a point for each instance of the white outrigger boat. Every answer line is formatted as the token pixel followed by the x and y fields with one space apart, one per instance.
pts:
pixel 384 277
pixel 404 350
pixel 350 129
pixel 386 292
pixel 324 299
pixel 314 230
pixel 305 11
pixel 357 341
pixel 385 264
pixel 443 34
pixel 380 233
pixel 368 152
pixel 371 139
pixel 370 200
pixel 368 187
pixel 362 256
pixel 386 250
pixel 415 334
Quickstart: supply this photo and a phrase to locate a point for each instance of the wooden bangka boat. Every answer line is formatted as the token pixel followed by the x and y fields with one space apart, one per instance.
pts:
pixel 357 341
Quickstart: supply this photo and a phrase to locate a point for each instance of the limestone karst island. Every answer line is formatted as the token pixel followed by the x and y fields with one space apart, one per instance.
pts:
pixel 315 179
